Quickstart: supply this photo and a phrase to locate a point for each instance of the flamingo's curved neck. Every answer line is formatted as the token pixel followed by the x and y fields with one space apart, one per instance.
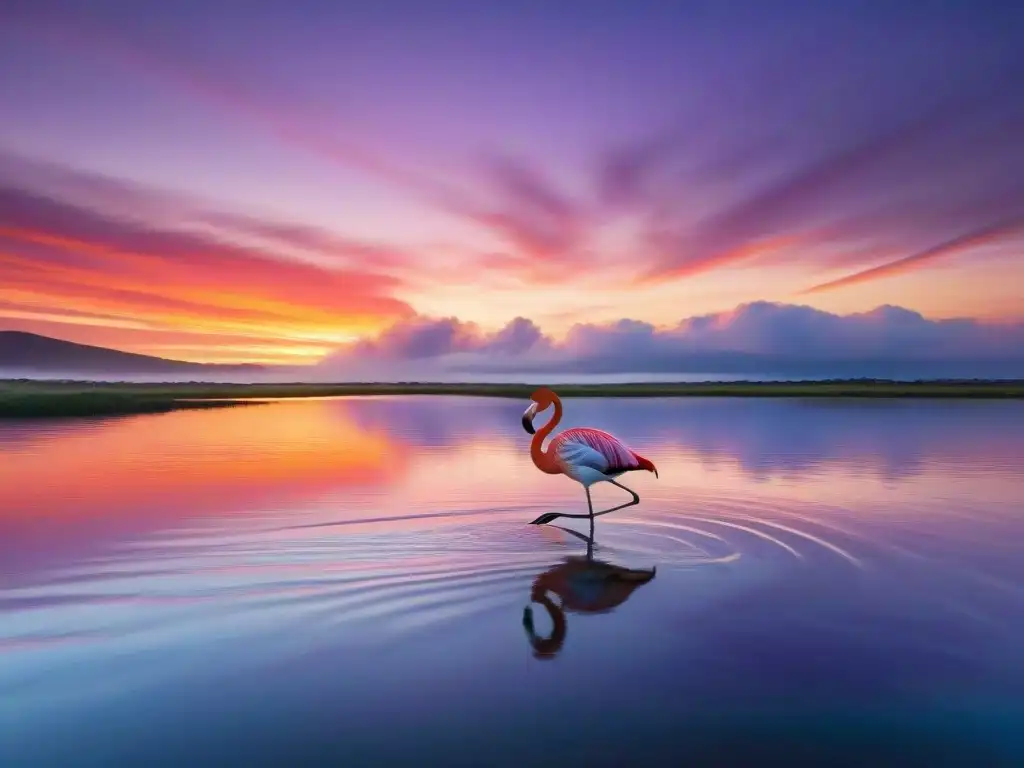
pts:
pixel 547 646
pixel 545 460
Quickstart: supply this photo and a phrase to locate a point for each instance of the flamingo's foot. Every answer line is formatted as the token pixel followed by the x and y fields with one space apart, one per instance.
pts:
pixel 546 518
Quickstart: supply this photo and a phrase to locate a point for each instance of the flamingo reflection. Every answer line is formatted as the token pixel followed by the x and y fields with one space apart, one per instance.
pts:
pixel 581 585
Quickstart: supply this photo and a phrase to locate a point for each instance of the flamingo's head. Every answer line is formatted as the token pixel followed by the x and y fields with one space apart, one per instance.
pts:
pixel 542 398
pixel 545 647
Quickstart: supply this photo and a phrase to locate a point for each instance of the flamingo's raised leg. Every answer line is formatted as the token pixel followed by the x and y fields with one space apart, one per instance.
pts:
pixel 547 517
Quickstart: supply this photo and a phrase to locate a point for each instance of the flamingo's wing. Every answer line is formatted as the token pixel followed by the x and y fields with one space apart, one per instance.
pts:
pixel 595 449
pixel 581 455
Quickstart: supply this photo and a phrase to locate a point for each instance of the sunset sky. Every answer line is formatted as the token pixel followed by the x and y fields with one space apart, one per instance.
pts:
pixel 283 182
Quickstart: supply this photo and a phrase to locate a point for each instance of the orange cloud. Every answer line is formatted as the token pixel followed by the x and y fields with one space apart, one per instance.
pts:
pixel 73 266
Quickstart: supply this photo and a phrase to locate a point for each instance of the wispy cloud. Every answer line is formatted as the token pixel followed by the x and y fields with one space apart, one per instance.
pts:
pixel 543 222
pixel 125 200
pixel 894 181
pixel 333 249
pixel 519 214
pixel 855 158
pixel 991 233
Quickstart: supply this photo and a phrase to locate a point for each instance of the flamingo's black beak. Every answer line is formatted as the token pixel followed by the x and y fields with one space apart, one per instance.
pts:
pixel 528 418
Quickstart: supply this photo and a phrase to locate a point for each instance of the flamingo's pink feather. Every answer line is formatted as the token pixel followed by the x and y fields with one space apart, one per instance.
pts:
pixel 619 458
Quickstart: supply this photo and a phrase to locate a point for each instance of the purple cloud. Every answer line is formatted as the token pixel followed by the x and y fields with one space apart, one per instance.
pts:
pixel 430 340
pixel 757 339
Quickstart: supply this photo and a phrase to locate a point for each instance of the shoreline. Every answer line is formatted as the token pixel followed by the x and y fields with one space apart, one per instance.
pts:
pixel 35 399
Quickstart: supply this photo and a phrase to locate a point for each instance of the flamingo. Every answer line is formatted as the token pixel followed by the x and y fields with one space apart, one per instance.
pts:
pixel 586 455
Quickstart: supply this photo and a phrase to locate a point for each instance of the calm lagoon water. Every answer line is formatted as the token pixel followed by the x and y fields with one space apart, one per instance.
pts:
pixel 344 582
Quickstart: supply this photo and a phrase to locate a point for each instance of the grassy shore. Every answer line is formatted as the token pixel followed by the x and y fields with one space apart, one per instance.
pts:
pixel 40 399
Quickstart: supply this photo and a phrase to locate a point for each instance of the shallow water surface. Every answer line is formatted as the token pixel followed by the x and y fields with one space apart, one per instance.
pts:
pixel 354 581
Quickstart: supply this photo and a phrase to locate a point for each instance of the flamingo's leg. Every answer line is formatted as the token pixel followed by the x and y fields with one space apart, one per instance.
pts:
pixel 630 491
pixel 590 506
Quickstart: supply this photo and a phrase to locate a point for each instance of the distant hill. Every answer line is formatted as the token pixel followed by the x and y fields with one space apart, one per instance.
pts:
pixel 28 353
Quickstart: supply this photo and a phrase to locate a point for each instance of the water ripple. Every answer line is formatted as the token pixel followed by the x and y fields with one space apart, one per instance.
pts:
pixel 292 550
pixel 455 563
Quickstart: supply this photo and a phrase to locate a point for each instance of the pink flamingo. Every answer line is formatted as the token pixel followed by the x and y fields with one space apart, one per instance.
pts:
pixel 586 455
